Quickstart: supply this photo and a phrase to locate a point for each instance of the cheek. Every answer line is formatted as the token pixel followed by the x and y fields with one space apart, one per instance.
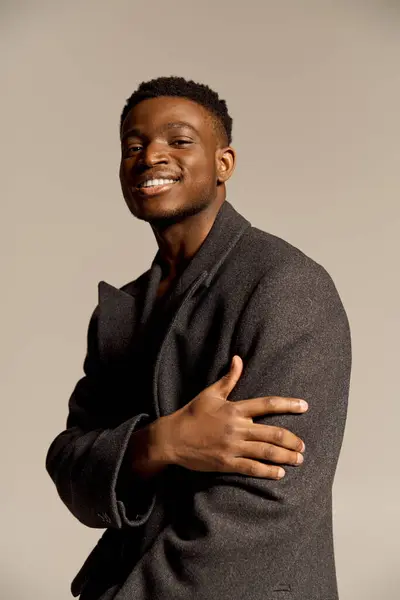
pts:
pixel 124 181
pixel 202 172
pixel 124 170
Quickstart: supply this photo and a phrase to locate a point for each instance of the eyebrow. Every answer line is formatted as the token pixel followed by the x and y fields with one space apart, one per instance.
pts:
pixel 171 125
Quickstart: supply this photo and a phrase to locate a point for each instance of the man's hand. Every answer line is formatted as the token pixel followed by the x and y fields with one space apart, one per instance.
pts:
pixel 210 433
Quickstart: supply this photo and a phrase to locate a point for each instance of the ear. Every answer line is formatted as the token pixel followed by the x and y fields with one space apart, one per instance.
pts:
pixel 226 161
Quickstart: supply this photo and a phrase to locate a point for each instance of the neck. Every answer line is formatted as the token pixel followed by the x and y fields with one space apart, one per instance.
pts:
pixel 179 242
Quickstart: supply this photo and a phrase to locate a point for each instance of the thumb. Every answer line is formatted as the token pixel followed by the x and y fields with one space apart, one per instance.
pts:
pixel 228 381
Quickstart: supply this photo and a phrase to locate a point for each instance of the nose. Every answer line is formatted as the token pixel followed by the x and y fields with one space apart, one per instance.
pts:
pixel 153 154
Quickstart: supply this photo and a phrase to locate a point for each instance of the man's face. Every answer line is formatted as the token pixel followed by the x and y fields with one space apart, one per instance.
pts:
pixel 155 144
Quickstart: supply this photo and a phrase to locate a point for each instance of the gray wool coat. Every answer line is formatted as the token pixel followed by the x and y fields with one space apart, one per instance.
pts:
pixel 193 535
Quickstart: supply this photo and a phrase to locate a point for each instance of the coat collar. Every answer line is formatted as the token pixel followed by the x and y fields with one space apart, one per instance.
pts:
pixel 122 309
pixel 228 227
pixel 225 232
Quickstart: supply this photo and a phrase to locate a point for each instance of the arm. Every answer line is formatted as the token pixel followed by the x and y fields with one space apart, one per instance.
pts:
pixel 237 536
pixel 91 461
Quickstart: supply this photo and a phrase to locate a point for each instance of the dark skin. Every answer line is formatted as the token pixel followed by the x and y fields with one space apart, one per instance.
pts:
pixel 210 433
pixel 182 216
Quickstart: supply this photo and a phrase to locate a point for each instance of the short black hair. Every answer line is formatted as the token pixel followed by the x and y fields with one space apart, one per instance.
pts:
pixel 178 86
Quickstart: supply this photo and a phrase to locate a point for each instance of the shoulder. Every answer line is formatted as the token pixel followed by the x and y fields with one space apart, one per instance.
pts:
pixel 280 267
pixel 289 287
pixel 293 296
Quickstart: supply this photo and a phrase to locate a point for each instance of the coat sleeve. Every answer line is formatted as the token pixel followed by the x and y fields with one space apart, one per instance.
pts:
pixel 86 460
pixel 236 536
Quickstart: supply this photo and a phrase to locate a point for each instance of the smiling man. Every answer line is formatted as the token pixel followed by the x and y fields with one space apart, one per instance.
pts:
pixel 179 194
pixel 195 379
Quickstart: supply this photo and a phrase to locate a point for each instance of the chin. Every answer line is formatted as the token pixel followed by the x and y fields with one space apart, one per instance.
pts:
pixel 158 213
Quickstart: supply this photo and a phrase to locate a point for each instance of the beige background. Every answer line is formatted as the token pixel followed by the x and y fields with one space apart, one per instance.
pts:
pixel 314 91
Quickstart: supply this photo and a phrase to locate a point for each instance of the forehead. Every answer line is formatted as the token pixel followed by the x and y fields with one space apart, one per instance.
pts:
pixel 153 115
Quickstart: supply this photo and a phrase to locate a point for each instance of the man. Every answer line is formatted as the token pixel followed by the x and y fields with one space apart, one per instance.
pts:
pixel 188 484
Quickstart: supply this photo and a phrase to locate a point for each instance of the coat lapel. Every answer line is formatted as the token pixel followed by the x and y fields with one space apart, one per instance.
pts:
pixel 116 323
pixel 226 231
pixel 124 312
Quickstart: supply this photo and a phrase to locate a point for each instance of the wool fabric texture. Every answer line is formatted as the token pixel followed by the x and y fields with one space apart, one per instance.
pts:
pixel 194 535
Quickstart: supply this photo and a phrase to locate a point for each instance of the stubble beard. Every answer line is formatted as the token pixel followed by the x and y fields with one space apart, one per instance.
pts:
pixel 179 213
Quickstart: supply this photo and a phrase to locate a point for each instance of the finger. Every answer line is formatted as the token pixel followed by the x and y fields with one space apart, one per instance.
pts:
pixel 228 381
pixel 278 436
pixel 245 466
pixel 270 452
pixel 256 407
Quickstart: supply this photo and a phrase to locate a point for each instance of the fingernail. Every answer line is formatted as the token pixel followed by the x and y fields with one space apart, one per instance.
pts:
pixel 299 458
pixel 281 473
pixel 303 404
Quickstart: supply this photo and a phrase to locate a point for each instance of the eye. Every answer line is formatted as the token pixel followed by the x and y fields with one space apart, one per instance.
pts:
pixel 131 150
pixel 180 141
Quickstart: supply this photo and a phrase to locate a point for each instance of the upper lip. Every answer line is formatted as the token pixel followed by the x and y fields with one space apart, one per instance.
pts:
pixel 148 176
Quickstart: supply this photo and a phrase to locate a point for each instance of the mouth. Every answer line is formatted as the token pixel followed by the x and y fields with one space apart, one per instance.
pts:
pixel 155 188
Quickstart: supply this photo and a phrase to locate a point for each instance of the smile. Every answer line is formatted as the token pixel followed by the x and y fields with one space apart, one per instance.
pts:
pixel 155 186
pixel 155 182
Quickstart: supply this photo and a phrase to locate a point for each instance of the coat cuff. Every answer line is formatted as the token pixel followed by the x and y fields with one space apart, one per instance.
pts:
pixel 102 472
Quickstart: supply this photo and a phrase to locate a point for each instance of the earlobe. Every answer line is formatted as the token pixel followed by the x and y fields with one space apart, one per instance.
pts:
pixel 225 165
pixel 223 172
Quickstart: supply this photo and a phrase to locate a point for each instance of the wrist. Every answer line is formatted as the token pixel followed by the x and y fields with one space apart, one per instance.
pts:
pixel 161 446
pixel 145 454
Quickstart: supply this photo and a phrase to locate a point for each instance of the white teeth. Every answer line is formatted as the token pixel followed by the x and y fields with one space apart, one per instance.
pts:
pixel 153 182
